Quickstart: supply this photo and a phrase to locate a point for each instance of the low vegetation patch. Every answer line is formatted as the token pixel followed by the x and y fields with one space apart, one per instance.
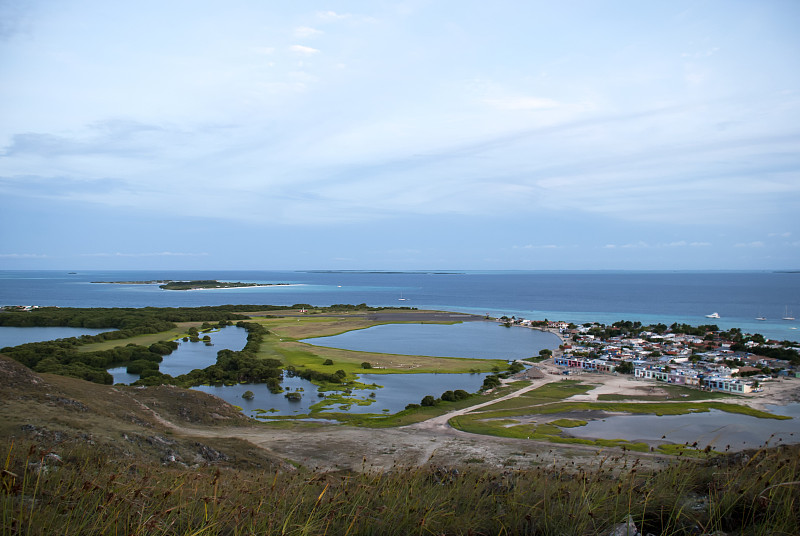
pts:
pixel 666 392
pixel 568 423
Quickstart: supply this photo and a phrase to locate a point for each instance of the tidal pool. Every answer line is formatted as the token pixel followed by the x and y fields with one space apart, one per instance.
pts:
pixel 487 340
pixel 14 336
pixel 716 428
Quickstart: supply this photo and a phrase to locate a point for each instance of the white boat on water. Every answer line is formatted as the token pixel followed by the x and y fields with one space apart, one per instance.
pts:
pixel 713 315
pixel 761 318
pixel 787 315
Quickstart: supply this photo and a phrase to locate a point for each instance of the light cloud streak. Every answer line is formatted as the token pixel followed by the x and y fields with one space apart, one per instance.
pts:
pixel 156 254
pixel 674 133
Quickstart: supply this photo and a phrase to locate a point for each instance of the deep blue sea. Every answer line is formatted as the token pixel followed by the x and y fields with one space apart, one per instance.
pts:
pixel 650 297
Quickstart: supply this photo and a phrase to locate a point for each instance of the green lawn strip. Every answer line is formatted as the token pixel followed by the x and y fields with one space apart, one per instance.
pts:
pixel 338 330
pixel 283 344
pixel 292 328
pixel 311 327
pixel 538 432
pixel 656 408
pixel 140 340
pixel 547 393
pixel 407 416
pixel 373 420
pixel 300 355
pixel 684 394
pixel 341 400
pixel 685 450
pixel 568 423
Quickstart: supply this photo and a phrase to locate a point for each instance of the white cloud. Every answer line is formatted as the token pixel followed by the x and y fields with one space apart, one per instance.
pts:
pixel 332 15
pixel 636 245
pixel 684 243
pixel 755 244
pixel 22 256
pixel 303 50
pixel 304 32
pixel 531 246
pixel 643 245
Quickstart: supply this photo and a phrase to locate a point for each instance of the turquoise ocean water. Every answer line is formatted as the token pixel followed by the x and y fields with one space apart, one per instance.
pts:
pixel 650 297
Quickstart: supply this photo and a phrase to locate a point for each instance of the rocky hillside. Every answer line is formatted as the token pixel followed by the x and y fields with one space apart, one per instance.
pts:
pixel 144 423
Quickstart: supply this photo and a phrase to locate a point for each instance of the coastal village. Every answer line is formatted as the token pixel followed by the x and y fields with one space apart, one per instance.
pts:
pixel 703 357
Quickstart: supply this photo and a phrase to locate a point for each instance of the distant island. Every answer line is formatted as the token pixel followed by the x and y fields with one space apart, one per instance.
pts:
pixel 168 284
pixel 212 283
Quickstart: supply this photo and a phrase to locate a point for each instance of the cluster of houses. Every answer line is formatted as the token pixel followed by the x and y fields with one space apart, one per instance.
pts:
pixel 18 307
pixel 674 358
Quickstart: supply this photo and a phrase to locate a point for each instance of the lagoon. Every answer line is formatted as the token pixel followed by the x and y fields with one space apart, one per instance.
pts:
pixel 14 336
pixel 487 340
pixel 192 355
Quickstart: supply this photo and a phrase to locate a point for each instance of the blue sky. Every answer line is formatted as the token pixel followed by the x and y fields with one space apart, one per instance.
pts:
pixel 400 135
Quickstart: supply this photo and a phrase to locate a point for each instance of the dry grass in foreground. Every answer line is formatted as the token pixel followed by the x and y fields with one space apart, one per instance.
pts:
pixel 81 491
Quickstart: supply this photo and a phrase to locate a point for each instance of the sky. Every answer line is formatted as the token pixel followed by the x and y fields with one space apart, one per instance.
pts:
pixel 449 134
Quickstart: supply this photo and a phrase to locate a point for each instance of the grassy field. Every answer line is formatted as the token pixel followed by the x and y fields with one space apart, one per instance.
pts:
pixel 141 340
pixel 667 392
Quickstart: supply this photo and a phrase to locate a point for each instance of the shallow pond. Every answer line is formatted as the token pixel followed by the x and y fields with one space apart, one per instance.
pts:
pixel 395 393
pixel 192 355
pixel 487 340
pixel 716 428
pixel 14 336
pixel 263 399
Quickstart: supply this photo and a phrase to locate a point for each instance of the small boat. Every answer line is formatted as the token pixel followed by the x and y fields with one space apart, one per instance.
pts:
pixel 713 315
pixel 761 318
pixel 787 315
